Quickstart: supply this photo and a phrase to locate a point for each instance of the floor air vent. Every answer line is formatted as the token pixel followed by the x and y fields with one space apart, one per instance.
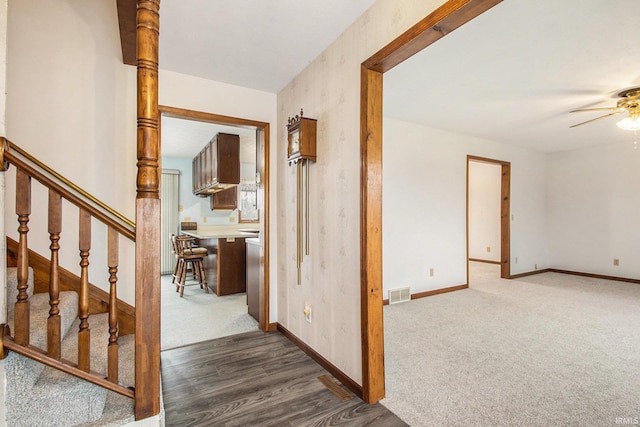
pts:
pixel 399 295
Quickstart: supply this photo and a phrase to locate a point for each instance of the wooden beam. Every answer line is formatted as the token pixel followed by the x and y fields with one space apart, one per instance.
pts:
pixel 127 24
pixel 371 235
pixel 433 27
pixel 505 221
pixel 147 355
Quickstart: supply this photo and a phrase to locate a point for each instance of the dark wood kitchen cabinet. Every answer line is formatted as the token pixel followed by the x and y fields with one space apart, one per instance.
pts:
pixel 217 166
pixel 225 199
pixel 226 264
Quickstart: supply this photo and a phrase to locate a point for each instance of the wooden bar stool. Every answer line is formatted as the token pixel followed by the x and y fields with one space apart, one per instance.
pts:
pixel 174 249
pixel 189 257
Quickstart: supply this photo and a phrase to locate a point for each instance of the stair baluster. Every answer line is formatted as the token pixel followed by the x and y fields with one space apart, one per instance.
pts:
pixel 112 366
pixel 84 336
pixel 28 168
pixel 53 323
pixel 23 210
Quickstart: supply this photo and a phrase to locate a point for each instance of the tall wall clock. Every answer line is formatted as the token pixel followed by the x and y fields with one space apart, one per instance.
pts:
pixel 301 148
pixel 302 139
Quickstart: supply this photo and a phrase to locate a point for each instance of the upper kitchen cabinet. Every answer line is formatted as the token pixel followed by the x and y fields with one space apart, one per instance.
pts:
pixel 225 199
pixel 217 166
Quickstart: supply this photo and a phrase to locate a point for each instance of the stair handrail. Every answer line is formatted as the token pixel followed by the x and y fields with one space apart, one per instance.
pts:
pixel 10 153
pixel 28 168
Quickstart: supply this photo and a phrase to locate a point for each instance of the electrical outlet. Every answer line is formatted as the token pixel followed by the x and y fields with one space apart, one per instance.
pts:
pixel 516 260
pixel 431 272
pixel 488 248
pixel 307 313
pixel 204 219
pixel 231 219
pixel 535 266
pixel 180 208
pixel 616 262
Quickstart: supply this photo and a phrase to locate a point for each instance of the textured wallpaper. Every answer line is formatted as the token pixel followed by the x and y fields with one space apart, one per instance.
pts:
pixel 329 91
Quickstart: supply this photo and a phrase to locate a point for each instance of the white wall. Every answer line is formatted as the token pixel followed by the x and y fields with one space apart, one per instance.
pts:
pixel 424 205
pixel 484 210
pixel 329 91
pixel 72 103
pixel 594 206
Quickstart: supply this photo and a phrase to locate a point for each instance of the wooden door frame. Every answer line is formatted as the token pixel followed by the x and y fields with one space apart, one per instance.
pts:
pixel 505 213
pixel 263 134
pixel 433 27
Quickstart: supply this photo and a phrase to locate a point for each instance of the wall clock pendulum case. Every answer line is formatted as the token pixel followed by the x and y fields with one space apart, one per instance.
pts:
pixel 301 148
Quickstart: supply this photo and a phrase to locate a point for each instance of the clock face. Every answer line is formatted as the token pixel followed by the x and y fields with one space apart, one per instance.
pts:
pixel 295 141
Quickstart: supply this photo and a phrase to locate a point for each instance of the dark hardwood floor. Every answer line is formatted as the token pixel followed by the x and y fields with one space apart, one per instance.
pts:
pixel 256 379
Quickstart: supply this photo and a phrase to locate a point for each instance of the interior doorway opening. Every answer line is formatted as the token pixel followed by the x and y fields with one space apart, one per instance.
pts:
pixel 498 226
pixel 436 25
pixel 261 188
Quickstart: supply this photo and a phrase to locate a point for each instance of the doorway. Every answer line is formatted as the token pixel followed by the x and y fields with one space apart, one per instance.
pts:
pixel 501 217
pixel 261 130
pixel 436 25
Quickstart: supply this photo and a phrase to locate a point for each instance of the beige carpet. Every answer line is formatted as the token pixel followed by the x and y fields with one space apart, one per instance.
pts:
pixel 198 316
pixel 545 350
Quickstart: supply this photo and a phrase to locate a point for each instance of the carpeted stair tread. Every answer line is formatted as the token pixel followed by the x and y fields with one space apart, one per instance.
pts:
pixel 62 399
pixel 39 313
pixel 118 411
pixel 90 399
pixel 57 406
pixel 67 400
pixel 26 371
pixel 99 327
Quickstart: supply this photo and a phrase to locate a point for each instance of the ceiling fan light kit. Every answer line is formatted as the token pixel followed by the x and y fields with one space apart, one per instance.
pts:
pixel 630 123
pixel 629 102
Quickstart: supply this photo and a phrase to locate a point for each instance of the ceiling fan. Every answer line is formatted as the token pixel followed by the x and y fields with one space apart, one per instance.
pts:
pixel 629 102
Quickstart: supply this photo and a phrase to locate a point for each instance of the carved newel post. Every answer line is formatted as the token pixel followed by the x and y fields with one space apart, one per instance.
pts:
pixel 147 396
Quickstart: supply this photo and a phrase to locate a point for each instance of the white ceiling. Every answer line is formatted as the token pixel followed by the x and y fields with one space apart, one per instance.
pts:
pixel 260 44
pixel 185 138
pixel 511 75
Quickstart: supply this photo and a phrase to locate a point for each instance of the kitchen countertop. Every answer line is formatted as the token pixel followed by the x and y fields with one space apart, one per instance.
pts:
pixel 220 234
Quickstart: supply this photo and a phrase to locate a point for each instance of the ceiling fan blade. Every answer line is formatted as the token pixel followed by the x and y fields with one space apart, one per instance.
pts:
pixel 597 118
pixel 594 109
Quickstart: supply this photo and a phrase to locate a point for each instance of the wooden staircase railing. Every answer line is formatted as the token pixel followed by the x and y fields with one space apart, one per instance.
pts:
pixel 147 229
pixel 29 168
